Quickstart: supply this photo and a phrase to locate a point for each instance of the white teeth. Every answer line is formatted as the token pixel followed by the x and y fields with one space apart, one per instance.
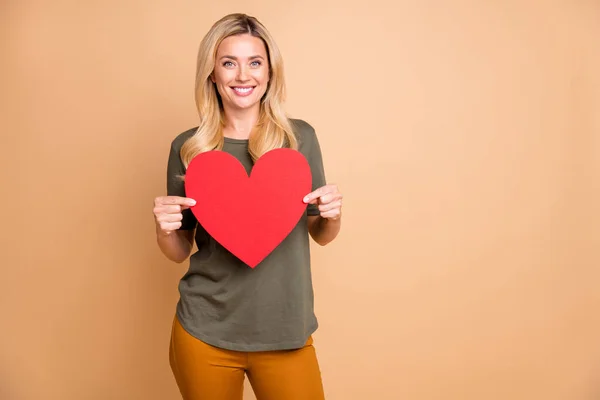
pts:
pixel 242 90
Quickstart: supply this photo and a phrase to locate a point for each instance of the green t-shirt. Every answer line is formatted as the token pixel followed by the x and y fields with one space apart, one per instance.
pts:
pixel 227 304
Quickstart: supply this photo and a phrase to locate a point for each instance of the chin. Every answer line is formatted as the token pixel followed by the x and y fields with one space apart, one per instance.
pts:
pixel 244 105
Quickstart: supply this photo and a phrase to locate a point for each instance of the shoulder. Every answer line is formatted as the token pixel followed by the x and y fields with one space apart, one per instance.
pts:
pixel 300 126
pixel 181 138
pixel 304 131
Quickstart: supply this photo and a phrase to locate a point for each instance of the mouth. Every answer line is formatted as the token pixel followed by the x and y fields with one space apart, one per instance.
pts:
pixel 243 90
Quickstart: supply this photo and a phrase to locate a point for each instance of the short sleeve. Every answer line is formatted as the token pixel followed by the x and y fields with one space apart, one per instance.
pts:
pixel 315 160
pixel 176 186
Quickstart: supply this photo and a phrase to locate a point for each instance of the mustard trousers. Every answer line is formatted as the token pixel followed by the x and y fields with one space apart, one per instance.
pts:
pixel 205 372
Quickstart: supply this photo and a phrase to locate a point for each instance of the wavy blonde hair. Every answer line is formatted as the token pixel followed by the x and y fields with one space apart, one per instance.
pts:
pixel 273 129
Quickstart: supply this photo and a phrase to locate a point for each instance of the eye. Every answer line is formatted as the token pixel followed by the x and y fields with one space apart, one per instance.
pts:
pixel 228 64
pixel 256 63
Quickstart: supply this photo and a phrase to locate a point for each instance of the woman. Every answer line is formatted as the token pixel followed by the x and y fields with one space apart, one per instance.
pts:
pixel 232 320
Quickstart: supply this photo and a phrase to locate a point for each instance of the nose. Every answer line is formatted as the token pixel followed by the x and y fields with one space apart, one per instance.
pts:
pixel 242 74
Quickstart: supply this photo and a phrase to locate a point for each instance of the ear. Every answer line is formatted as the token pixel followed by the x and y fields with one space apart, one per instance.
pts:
pixel 212 77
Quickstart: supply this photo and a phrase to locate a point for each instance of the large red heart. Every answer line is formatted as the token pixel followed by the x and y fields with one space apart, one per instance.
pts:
pixel 249 215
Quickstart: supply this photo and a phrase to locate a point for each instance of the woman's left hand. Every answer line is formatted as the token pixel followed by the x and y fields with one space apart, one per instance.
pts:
pixel 329 200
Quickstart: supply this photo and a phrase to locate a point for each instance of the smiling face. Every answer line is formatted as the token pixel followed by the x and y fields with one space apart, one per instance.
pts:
pixel 241 71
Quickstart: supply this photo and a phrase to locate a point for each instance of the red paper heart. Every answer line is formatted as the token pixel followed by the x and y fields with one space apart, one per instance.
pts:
pixel 249 215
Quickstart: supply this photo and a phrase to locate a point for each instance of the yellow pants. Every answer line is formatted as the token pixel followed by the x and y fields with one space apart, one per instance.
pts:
pixel 205 372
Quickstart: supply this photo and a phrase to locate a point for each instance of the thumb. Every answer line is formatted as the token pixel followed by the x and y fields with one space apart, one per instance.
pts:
pixel 312 199
pixel 187 203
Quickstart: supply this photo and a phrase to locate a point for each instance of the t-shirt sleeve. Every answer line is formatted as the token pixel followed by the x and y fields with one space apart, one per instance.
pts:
pixel 176 186
pixel 315 160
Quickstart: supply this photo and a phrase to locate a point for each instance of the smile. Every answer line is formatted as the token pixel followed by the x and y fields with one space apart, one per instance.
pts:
pixel 243 91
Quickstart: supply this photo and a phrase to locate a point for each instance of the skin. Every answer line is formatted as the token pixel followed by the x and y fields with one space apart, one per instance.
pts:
pixel 241 62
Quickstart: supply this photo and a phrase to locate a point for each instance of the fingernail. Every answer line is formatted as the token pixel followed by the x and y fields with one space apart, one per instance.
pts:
pixel 305 199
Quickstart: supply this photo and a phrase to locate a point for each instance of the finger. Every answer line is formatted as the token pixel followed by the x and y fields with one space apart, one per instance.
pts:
pixel 332 214
pixel 330 198
pixel 167 209
pixel 170 226
pixel 330 206
pixel 169 217
pixel 177 200
pixel 313 197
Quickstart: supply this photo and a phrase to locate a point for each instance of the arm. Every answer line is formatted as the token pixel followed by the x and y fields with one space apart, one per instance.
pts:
pixel 174 242
pixel 175 224
pixel 175 245
pixel 323 228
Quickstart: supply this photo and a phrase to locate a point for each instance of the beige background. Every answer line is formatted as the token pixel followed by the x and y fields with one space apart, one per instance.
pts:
pixel 463 134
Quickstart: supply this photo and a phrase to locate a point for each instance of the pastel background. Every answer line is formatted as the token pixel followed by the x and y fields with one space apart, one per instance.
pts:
pixel 464 135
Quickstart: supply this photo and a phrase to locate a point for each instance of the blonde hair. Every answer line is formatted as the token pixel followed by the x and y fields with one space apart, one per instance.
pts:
pixel 273 129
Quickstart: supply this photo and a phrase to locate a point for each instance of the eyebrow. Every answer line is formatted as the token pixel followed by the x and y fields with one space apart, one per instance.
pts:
pixel 235 58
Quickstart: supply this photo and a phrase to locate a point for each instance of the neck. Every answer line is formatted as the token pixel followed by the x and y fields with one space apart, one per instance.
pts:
pixel 239 123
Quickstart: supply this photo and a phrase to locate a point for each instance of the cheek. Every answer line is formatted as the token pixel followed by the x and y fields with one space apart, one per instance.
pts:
pixel 221 77
pixel 262 76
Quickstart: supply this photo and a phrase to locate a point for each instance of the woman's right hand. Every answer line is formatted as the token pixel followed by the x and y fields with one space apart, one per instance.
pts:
pixel 168 212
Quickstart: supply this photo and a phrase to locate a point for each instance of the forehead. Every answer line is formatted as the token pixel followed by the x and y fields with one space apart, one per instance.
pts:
pixel 244 45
